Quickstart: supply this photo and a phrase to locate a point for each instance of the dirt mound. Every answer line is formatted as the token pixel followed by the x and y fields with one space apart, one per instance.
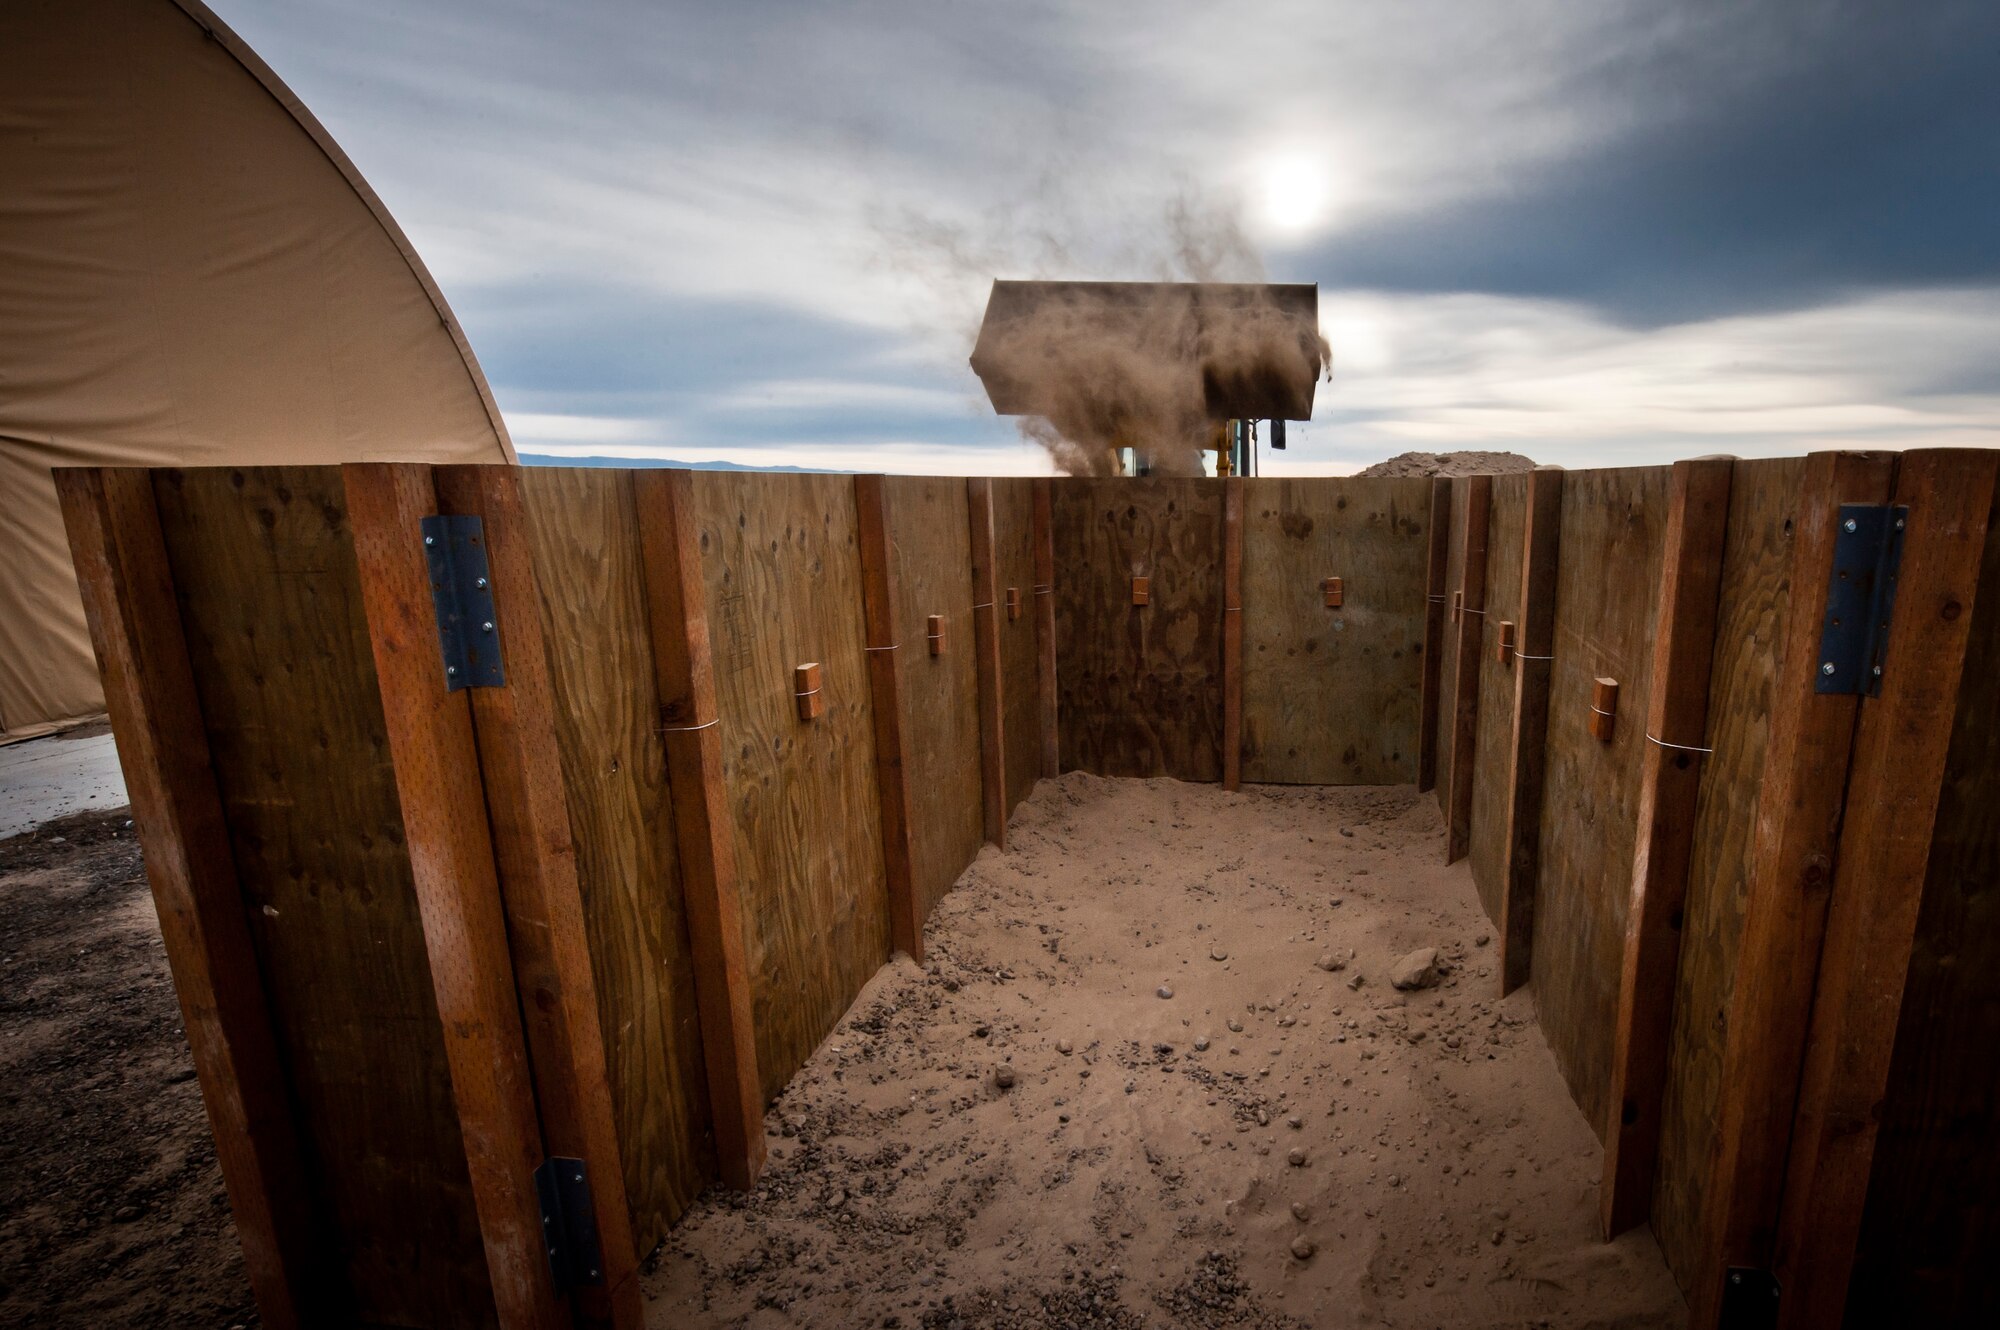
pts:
pixel 1450 464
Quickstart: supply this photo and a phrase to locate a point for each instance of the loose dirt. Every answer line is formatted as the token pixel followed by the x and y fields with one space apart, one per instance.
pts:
pixel 1154 1073
pixel 1449 464
pixel 112 1212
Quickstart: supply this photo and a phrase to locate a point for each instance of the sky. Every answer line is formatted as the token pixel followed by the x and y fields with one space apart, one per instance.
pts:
pixel 1597 232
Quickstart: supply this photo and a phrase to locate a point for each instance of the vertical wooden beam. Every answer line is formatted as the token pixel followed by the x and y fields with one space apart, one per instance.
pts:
pixel 1669 781
pixel 986 642
pixel 1541 541
pixel 1465 682
pixel 1045 623
pixel 1232 633
pixel 149 690
pixel 1789 881
pixel 521 765
pixel 458 895
pixel 878 600
pixel 1434 630
pixel 677 611
pixel 1900 746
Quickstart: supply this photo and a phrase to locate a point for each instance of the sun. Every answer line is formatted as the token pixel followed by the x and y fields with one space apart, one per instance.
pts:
pixel 1293 193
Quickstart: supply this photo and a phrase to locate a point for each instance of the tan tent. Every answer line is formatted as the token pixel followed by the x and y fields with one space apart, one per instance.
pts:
pixel 191 273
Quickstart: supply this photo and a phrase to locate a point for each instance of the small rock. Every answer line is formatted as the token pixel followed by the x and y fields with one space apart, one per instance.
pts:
pixel 1064 1047
pixel 1217 954
pixel 1166 990
pixel 1302 1212
pixel 1481 940
pixel 1297 1158
pixel 1295 1122
pixel 1330 962
pixel 1499 1236
pixel 1201 1043
pixel 1004 1078
pixel 1347 832
pixel 1235 1026
pixel 1355 982
pixel 1416 970
pixel 1302 1248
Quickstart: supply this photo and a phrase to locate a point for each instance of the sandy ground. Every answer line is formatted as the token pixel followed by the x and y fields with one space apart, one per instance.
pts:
pixel 112 1212
pixel 1126 1090
pixel 1137 1170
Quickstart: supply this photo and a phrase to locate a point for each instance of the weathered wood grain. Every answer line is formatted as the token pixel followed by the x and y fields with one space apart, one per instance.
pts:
pixel 270 597
pixel 1929 1252
pixel 582 532
pixel 1020 664
pixel 1895 783
pixel 932 544
pixel 436 765
pixel 1045 626
pixel 527 803
pixel 1749 639
pixel 781 569
pixel 1458 498
pixel 1467 664
pixel 1140 688
pixel 1494 750
pixel 1799 799
pixel 979 508
pixel 1527 764
pixel 1436 571
pixel 1232 633
pixel 1613 529
pixel 1669 785
pixel 690 721
pixel 1331 696
pixel 149 690
pixel 879 599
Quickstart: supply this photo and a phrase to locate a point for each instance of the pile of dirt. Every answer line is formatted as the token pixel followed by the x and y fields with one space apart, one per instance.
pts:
pixel 1450 464
pixel 1155 1073
pixel 112 1211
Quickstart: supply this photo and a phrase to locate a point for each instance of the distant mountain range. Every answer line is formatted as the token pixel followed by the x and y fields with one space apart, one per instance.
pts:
pixel 545 459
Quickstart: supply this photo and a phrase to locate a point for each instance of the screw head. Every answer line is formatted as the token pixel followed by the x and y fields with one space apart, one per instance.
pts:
pixel 1827 668
pixel 1851 524
pixel 486 627
pixel 451 670
pixel 1878 671
pixel 430 540
pixel 479 582
pixel 1899 524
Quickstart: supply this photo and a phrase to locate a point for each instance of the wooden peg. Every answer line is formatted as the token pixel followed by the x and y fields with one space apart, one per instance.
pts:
pixel 937 634
pixel 1142 589
pixel 1505 651
pixel 1331 588
pixel 1013 603
pixel 1603 708
pixel 805 683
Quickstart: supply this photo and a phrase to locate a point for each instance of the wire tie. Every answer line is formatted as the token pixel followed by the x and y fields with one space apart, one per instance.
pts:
pixel 891 647
pixel 684 729
pixel 1522 655
pixel 1685 748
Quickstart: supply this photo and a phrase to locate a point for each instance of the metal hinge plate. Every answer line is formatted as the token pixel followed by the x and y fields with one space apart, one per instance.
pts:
pixel 1860 592
pixel 569 1223
pixel 468 632
pixel 1749 1300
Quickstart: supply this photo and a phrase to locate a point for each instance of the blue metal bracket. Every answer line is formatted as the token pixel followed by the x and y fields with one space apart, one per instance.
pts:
pixel 1860 593
pixel 461 595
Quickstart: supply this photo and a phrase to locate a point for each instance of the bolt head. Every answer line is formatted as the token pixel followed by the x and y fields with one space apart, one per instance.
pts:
pixel 486 627
pixel 451 669
pixel 1878 671
pixel 479 582
pixel 430 540
pixel 1827 668
pixel 1899 524
pixel 1851 524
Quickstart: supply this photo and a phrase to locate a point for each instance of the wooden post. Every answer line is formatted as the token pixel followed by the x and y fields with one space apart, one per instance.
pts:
pixel 521 766
pixel 677 611
pixel 1669 781
pixel 1789 880
pixel 1045 623
pixel 149 690
pixel 1541 546
pixel 1900 746
pixel 1434 629
pixel 878 599
pixel 986 642
pixel 1232 633
pixel 458 896
pixel 1465 683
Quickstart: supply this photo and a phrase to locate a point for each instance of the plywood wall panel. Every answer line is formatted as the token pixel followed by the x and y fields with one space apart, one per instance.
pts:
pixel 270 600
pixel 1331 696
pixel 1493 753
pixel 1750 626
pixel 782 569
pixel 1139 687
pixel 1454 581
pixel 1929 1252
pixel 1020 696
pixel 930 549
pixel 1613 529
pixel 584 536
